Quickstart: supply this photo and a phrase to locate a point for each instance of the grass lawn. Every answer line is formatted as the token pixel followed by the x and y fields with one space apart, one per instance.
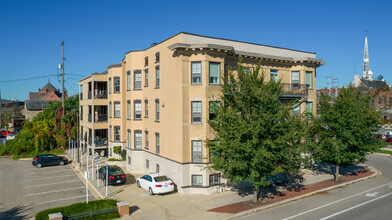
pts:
pixel 82 207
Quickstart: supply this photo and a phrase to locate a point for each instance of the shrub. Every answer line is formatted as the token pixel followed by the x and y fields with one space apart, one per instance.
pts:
pixel 82 207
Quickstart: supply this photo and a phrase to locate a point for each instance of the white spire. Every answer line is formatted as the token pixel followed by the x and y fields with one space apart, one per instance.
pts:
pixel 366 73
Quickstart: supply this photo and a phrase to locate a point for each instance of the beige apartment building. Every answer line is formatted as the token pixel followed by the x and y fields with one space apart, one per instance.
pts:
pixel 156 102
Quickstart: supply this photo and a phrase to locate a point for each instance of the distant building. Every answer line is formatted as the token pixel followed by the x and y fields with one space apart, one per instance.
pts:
pixel 33 107
pixel 48 92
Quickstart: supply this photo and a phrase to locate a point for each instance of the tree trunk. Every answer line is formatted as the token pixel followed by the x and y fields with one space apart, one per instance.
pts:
pixel 255 195
pixel 337 173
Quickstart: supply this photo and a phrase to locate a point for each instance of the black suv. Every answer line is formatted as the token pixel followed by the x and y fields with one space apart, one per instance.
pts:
pixel 48 160
pixel 116 175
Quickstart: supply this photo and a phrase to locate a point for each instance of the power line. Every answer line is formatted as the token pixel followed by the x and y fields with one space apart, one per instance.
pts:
pixel 71 87
pixel 23 79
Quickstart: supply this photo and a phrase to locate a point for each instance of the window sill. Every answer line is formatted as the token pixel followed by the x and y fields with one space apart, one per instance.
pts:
pixel 117 92
pixel 117 117
pixel 196 84
pixel 157 61
pixel 137 89
pixel 196 123
pixel 137 119
pixel 145 86
pixel 146 116
pixel 156 121
pixel 157 87
pixel 213 84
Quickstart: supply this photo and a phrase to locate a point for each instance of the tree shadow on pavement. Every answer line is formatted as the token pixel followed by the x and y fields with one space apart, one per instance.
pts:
pixel 327 168
pixel 14 213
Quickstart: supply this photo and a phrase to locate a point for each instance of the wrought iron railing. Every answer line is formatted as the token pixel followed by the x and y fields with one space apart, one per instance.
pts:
pixel 294 89
pixel 89 94
pixel 101 94
pixel 101 118
pixel 89 118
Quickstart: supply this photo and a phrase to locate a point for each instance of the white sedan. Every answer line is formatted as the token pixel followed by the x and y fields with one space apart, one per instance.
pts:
pixel 10 136
pixel 155 183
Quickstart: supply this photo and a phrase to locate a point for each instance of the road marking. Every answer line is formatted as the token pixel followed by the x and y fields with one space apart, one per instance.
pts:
pixel 58 171
pixel 52 184
pixel 60 190
pixel 57 200
pixel 331 203
pixel 343 211
pixel 371 194
pixel 51 177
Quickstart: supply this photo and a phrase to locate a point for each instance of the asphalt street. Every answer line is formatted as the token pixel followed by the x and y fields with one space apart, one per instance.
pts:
pixel 26 190
pixel 369 199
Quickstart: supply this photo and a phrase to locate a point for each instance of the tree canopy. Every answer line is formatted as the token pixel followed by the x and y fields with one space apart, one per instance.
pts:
pixel 344 129
pixel 49 130
pixel 255 135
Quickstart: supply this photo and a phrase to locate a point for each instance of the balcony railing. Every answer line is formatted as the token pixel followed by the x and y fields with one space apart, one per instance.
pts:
pixel 89 141
pixel 89 118
pixel 101 94
pixel 89 94
pixel 294 89
pixel 101 118
pixel 100 141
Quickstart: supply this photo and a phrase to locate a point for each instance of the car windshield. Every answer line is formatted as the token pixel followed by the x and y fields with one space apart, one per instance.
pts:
pixel 115 170
pixel 161 178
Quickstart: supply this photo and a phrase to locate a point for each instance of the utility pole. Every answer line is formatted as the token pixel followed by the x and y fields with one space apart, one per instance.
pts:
pixel 329 85
pixel 62 77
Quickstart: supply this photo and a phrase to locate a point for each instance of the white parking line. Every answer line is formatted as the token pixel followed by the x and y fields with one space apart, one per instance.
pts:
pixel 60 190
pixel 51 177
pixel 52 184
pixel 328 204
pixel 76 197
pixel 364 203
pixel 57 171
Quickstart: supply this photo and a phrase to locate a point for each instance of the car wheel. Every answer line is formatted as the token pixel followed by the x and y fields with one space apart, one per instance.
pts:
pixel 61 163
pixel 138 183
pixel 150 191
pixel 39 165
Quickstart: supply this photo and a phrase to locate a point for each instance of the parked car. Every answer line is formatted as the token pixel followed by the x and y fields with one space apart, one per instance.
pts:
pixel 155 183
pixel 388 138
pixel 48 160
pixel 115 176
pixel 4 132
pixel 10 136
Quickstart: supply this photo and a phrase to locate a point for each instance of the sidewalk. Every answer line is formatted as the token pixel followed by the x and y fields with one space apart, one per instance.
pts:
pixel 225 205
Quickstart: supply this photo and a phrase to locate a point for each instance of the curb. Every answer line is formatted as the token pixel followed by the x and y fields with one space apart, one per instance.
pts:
pixel 94 191
pixel 251 211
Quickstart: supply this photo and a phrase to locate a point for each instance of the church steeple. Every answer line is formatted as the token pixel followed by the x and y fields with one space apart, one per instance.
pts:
pixel 366 73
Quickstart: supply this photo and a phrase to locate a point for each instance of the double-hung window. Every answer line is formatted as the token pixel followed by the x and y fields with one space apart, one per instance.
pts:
pixel 146 78
pixel 214 179
pixel 156 109
pixel 157 144
pixel 146 108
pixel 309 79
pixel 129 139
pixel 297 109
pixel 137 80
pixel 214 69
pixel 196 72
pixel 274 75
pixel 145 61
pixel 128 80
pixel 147 140
pixel 295 79
pixel 157 57
pixel 197 180
pixel 196 151
pixel 116 84
pixel 138 139
pixel 116 109
pixel 213 107
pixel 309 109
pixel 129 109
pixel 196 111
pixel 116 133
pixel 138 109
pixel 157 77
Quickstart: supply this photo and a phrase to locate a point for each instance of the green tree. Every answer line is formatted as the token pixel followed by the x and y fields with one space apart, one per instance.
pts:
pixel 344 129
pixel 255 135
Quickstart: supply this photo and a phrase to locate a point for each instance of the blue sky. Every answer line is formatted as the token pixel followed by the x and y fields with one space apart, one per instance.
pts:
pixel 98 33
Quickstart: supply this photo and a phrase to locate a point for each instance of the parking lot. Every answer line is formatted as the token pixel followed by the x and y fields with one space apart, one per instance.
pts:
pixel 26 190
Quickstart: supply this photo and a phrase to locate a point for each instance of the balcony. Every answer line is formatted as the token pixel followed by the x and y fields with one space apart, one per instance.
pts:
pixel 89 141
pixel 89 94
pixel 89 118
pixel 101 118
pixel 294 90
pixel 101 94
pixel 81 96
